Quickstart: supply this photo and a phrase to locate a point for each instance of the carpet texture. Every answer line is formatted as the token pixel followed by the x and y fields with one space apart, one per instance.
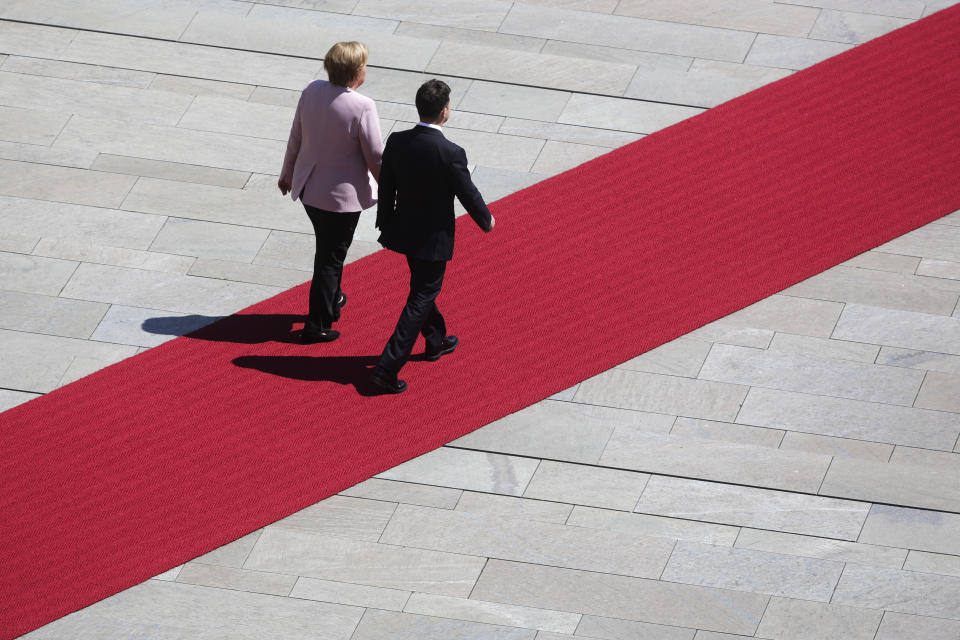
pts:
pixel 167 455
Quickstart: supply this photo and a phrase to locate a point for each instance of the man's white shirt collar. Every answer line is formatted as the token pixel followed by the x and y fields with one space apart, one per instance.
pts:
pixel 432 126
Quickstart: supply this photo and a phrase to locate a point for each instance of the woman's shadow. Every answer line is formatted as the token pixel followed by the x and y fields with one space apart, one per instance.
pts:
pixel 271 327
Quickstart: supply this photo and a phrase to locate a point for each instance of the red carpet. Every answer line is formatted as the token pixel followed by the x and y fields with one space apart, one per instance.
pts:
pixel 167 455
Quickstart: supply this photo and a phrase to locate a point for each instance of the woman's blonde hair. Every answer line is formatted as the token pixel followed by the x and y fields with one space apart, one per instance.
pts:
pixel 344 61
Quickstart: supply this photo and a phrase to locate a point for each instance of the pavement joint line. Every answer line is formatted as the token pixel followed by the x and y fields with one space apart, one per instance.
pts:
pixel 713 481
pixel 314 59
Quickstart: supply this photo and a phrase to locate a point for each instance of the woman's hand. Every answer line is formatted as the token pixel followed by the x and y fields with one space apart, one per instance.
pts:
pixel 284 185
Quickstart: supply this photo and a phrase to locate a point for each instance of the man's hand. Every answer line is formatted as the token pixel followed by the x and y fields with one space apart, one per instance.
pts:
pixel 490 228
pixel 284 185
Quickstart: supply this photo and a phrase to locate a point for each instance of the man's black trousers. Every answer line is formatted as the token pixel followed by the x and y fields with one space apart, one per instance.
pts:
pixel 420 315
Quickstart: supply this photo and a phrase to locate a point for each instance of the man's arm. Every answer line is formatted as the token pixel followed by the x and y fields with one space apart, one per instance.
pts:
pixel 293 149
pixel 386 187
pixel 467 192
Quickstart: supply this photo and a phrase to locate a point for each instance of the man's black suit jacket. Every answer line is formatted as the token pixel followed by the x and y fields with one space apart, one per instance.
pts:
pixel 421 173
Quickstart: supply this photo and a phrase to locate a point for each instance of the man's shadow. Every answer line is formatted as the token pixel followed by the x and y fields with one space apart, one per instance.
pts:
pixel 252 328
pixel 346 370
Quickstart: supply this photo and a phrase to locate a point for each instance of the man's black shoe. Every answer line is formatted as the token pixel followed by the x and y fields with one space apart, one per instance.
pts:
pixel 448 345
pixel 342 302
pixel 387 382
pixel 312 334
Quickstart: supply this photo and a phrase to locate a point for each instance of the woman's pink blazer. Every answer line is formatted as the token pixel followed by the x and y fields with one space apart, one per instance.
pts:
pixel 333 155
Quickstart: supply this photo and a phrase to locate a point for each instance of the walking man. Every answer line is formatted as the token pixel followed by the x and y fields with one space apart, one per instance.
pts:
pixel 420 175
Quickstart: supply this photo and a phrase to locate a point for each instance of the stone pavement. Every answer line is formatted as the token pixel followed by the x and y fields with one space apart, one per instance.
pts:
pixel 790 472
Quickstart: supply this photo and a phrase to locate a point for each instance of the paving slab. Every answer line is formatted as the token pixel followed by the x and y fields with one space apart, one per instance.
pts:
pixel 342 517
pixel 788 314
pixel 791 53
pixel 728 432
pixel 940 391
pixel 753 15
pixel 35 40
pixel 824 348
pixel 315 16
pixel 405 492
pixel 63 184
pixel 209 240
pixel 595 486
pixel 823 548
pixel 233 554
pixel 170 170
pixel 469 36
pixel 202 87
pixel 933 531
pixel 49 314
pixel 116 256
pixel 350 594
pixel 491 506
pixel 492 613
pixel 900 591
pixel 236 579
pixel 613 629
pixel 31 274
pixel 898 625
pixel 792 619
pixel 853 27
pixel 31 126
pixel 10 399
pixel 471 470
pixel 894 483
pixel 243 272
pixel 894 8
pixel 939 269
pixel 387 625
pixel 622 114
pixel 641 524
pixel 924 562
pixel 146 327
pixel 930 242
pixel 881 261
pixel 833 446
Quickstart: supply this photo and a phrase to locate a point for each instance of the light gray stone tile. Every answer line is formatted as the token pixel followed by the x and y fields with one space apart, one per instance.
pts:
pixel 791 53
pixel 833 446
pixel 884 262
pixel 663 394
pixel 680 357
pixel 586 485
pixel 49 314
pixel 350 594
pixel 566 395
pixel 289 251
pixel 698 87
pixel 710 635
pixel 63 184
pixel 613 629
pixel 498 183
pixel 174 610
pixel 821 376
pixel 10 399
pixel 880 289
pixel 640 524
pixel 115 256
pixel 171 144
pixel 900 591
pixel 209 240
pixel 168 576
pixel 30 126
pixel 277 97
pixel 232 554
pixel 940 391
pixel 824 348
pixel 469 36
pixel 535 69
pixel 642 60
pixel 170 171
pixel 35 40
pixel 472 470
pixel 787 619
pixel 597 6
pixel 400 86
pixel 301 39
pixel 621 597
pixel 492 613
pixel 623 114
pixel 468 14
pixel 823 548
pixel 237 579
pixel 517 101
pixel 527 541
pixel 787 314
pixel 895 8
pixel 386 625
pixel 77 156
pixel 405 493
pixel 242 272
pixel 342 517
pixel 37 363
pixel 490 507
pixel 190 60
pixel 755 571
pixel 30 274
pixel 203 87
pixel 913 528
pixel 557 157
pixel 146 327
pixel 496 150
pixel 169 292
pixel 753 507
pixel 853 28
pixel 78 72
pixel 896 626
pixel 933 563
pixel 933 6
pixel 338 6
pixel 372 564
pixel 560 430
pixel 939 269
pixel 227 115
pixel 844 418
pixel 18 242
pixel 933 242
pixel 461 120
pixel 925 457
pixel 91 100
pixel 733 334
pixel 248 207
pixel 320 18
pixel 752 15
pixel 727 432
pixel 716 460
pixel 628 33
pixel 901 484
pixel 567 133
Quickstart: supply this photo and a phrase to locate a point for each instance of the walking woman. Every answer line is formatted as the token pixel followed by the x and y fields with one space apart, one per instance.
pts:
pixel 332 165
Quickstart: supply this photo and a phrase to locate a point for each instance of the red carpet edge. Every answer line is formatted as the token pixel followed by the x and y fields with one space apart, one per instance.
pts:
pixel 167 455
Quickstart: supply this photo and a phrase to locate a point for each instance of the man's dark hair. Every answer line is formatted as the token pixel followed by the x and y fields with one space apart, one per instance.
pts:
pixel 432 97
